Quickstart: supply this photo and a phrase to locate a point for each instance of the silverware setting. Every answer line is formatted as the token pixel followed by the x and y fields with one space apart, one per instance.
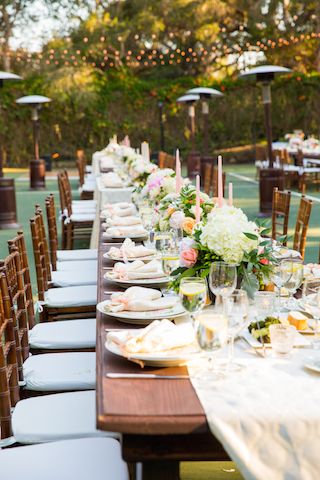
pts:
pixel 146 375
pixel 261 352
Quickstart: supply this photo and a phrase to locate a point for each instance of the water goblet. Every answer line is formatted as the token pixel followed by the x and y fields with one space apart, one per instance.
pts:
pixel 279 277
pixel 211 335
pixel 170 262
pixel 193 294
pixel 222 279
pixel 294 268
pixel 163 241
pixel 235 307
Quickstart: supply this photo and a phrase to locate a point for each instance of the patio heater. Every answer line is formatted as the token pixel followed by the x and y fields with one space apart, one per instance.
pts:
pixel 205 94
pixel 37 165
pixel 270 177
pixel 161 123
pixel 8 208
pixel 193 159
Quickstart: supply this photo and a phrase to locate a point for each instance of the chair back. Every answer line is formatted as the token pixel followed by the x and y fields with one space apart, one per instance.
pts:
pixel 214 182
pixel 39 257
pixel 81 165
pixel 206 176
pixel 65 193
pixel 302 225
pixel 9 383
pixel 15 295
pixel 261 152
pixel 52 229
pixel 280 213
pixel 299 158
pixel 166 160
pixel 44 239
pixel 18 244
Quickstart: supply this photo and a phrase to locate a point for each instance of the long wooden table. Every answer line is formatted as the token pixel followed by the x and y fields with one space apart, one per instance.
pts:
pixel 162 421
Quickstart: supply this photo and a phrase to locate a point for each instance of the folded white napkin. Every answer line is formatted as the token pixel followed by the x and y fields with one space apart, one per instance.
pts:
pixel 312 270
pixel 137 270
pixel 112 180
pixel 130 250
pixel 282 252
pixel 119 212
pixel 159 336
pixel 139 299
pixel 116 221
pixel 125 231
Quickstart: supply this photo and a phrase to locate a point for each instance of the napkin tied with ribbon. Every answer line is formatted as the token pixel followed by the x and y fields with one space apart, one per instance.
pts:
pixel 137 270
pixel 130 250
pixel 139 299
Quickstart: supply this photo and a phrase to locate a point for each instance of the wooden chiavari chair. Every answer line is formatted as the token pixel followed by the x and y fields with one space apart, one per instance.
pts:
pixel 18 243
pixel 280 213
pixel 59 303
pixel 70 335
pixel 37 419
pixel 75 273
pixel 41 373
pixel 206 177
pixel 63 259
pixel 86 179
pixel 76 225
pixel 302 225
pixel 9 386
pixel 166 160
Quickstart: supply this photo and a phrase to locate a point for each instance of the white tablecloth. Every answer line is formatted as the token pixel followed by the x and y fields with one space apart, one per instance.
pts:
pixel 267 417
pixel 106 195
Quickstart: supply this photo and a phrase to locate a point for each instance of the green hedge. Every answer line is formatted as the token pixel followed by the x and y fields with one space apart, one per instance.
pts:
pixel 89 107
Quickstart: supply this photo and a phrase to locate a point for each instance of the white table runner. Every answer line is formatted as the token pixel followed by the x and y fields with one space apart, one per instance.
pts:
pixel 268 416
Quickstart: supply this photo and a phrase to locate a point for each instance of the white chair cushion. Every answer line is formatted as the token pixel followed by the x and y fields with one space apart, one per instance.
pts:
pixel 83 210
pixel 80 254
pixel 88 187
pixel 77 265
pixel 88 168
pixel 65 334
pixel 86 203
pixel 81 459
pixel 68 278
pixel 60 416
pixel 83 217
pixel 71 296
pixel 53 372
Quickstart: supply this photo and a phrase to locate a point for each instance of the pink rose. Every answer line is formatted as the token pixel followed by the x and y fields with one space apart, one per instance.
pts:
pixel 188 257
pixel 176 220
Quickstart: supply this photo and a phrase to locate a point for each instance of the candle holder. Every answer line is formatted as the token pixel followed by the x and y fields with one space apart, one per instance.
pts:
pixel 8 207
pixel 37 165
pixel 193 158
pixel 270 177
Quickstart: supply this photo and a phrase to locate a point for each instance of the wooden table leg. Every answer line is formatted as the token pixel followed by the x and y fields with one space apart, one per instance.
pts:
pixel 163 470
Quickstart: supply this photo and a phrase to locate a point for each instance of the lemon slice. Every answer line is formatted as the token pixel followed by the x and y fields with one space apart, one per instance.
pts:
pixel 172 257
pixel 293 268
pixel 192 289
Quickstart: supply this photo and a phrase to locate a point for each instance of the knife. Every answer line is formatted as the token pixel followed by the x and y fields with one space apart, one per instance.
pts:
pixel 145 375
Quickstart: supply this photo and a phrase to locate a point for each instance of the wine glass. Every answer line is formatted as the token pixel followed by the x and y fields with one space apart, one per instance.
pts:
pixel 170 262
pixel 163 241
pixel 311 302
pixel 222 279
pixel 235 307
pixel 294 268
pixel 279 277
pixel 193 294
pixel 211 334
pixel 147 219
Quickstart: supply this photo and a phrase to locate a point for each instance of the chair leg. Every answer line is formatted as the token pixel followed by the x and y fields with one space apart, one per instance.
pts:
pixel 69 228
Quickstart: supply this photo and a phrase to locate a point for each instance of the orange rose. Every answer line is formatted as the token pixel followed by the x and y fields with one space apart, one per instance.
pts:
pixel 188 225
pixel 170 211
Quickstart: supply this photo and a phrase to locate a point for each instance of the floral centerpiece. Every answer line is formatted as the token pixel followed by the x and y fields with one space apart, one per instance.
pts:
pixel 228 236
pixel 139 169
pixel 178 210
pixel 158 185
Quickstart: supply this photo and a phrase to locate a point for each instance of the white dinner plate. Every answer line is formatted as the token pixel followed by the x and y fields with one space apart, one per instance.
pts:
pixel 158 281
pixel 169 359
pixel 313 364
pixel 300 340
pixel 143 318
pixel 146 258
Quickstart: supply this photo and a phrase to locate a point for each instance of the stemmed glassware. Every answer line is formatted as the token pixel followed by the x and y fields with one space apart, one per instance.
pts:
pixel 311 302
pixel 211 334
pixel 222 279
pixel 280 275
pixel 235 307
pixel 147 219
pixel 170 262
pixel 294 268
pixel 163 241
pixel 193 294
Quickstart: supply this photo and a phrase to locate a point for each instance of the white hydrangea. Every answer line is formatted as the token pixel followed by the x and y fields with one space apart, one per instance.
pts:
pixel 224 233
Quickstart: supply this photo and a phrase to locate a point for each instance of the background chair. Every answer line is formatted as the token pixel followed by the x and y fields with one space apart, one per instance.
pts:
pixel 280 213
pixel 302 225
